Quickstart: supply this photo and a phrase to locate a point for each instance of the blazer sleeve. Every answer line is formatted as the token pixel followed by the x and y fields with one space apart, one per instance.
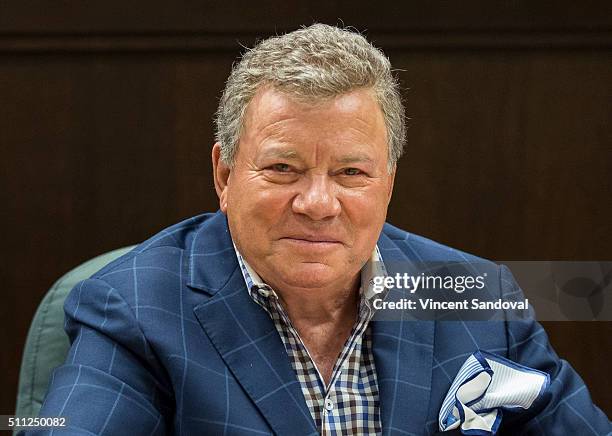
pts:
pixel 111 382
pixel 566 406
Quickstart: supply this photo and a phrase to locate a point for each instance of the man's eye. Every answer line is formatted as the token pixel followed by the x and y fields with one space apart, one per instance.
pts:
pixel 281 168
pixel 351 172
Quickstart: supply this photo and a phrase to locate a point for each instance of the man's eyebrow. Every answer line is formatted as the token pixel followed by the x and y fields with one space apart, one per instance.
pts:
pixel 279 153
pixel 353 158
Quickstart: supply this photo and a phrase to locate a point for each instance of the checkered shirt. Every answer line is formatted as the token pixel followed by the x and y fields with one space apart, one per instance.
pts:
pixel 349 405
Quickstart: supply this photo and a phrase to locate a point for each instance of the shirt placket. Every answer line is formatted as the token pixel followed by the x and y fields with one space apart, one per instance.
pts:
pixel 331 413
pixel 323 401
pixel 327 415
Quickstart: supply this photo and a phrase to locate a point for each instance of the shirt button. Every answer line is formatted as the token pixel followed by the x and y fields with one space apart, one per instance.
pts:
pixel 264 292
pixel 329 405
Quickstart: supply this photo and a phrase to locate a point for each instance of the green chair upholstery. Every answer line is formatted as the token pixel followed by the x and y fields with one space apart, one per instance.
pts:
pixel 47 344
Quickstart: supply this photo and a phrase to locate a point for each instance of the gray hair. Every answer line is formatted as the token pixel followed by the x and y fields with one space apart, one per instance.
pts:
pixel 314 62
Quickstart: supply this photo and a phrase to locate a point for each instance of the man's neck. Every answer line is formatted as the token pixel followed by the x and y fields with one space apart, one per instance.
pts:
pixel 318 307
pixel 323 321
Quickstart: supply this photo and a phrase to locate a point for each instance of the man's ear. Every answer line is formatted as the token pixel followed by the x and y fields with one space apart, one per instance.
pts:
pixel 221 173
pixel 391 183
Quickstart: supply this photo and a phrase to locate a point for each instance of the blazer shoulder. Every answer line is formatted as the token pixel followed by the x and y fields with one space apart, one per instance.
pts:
pixel 424 249
pixel 176 238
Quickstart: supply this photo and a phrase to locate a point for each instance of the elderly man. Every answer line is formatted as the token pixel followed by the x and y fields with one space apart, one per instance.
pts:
pixel 254 320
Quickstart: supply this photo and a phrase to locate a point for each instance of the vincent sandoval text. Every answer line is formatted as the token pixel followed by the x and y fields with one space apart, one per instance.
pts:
pixel 431 304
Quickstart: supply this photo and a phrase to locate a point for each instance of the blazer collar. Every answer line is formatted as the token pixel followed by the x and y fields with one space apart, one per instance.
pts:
pixel 403 353
pixel 212 258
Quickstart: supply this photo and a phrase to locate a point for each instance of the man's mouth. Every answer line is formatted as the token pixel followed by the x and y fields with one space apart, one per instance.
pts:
pixel 312 240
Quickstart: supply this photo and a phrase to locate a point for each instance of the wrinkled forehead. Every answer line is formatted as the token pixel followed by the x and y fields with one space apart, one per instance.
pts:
pixel 272 110
pixel 345 128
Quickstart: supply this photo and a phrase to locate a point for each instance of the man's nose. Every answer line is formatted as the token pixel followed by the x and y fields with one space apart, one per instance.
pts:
pixel 317 198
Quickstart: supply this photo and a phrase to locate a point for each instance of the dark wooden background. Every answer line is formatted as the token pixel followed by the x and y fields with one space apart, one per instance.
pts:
pixel 105 133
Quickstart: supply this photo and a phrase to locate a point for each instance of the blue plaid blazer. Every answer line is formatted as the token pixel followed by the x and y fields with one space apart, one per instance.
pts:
pixel 166 340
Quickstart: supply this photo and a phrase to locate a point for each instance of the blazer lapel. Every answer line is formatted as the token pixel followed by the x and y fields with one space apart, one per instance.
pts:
pixel 403 355
pixel 243 333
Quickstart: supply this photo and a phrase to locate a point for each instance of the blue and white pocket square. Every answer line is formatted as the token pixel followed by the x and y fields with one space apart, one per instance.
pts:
pixel 486 385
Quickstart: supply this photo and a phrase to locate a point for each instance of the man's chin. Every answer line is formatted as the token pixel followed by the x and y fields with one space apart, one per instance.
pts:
pixel 310 275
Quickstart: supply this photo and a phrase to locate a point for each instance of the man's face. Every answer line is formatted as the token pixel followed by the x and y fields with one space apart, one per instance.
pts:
pixel 307 196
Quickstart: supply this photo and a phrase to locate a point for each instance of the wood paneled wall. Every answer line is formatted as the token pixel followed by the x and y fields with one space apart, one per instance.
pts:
pixel 105 133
